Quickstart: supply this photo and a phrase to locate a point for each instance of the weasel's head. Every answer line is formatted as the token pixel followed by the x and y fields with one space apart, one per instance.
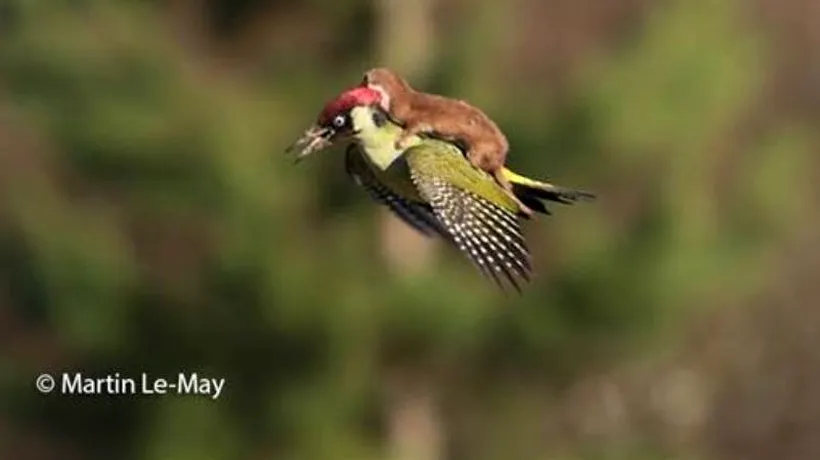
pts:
pixel 387 82
pixel 334 121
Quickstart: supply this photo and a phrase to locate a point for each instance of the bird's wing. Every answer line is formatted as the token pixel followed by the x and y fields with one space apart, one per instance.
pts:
pixel 487 233
pixel 417 215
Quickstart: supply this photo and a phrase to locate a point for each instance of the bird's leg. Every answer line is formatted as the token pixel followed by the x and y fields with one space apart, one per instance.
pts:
pixel 498 174
pixel 411 130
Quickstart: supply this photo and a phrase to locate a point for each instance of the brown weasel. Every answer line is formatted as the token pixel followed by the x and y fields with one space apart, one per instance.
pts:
pixel 453 119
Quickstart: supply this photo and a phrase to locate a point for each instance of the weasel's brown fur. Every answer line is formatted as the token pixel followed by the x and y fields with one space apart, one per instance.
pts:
pixel 486 146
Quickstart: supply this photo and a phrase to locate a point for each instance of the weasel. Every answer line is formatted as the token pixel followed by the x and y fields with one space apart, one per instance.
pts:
pixel 485 145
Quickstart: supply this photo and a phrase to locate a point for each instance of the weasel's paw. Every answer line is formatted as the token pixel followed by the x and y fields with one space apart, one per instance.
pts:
pixel 402 143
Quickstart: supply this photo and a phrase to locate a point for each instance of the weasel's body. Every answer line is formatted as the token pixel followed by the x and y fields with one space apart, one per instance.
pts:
pixel 485 145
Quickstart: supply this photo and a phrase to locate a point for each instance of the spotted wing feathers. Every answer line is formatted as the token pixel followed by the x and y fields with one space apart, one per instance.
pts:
pixel 489 235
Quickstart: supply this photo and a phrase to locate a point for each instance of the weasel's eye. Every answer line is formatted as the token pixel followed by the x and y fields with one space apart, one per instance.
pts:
pixel 379 118
pixel 339 121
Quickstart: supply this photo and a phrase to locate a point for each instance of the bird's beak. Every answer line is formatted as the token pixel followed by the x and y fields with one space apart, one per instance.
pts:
pixel 314 139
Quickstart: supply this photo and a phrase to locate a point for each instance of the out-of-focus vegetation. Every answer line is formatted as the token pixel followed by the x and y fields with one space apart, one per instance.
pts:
pixel 150 223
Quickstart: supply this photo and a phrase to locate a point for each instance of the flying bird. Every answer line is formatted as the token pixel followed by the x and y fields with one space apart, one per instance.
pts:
pixel 432 186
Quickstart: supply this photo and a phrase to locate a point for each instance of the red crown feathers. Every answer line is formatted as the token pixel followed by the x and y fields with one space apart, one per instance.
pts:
pixel 346 101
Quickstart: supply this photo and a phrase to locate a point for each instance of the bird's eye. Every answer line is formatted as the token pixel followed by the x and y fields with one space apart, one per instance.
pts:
pixel 339 121
pixel 379 118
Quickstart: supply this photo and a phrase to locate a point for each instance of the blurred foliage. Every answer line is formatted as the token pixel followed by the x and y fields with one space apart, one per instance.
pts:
pixel 152 225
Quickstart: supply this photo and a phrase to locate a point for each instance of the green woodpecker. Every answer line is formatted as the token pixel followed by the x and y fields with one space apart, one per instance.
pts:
pixel 433 187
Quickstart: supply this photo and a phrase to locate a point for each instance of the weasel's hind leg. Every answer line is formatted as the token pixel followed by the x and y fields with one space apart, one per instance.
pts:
pixel 490 157
pixel 498 174
pixel 487 155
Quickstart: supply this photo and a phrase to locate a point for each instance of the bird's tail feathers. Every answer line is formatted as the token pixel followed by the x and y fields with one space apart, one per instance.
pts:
pixel 531 192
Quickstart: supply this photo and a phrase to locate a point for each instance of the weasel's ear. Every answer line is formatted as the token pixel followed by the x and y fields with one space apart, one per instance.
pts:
pixel 365 79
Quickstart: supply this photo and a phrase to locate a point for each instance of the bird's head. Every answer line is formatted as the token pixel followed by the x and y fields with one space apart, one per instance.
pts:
pixel 334 121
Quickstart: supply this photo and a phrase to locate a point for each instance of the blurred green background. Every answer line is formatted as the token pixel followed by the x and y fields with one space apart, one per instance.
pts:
pixel 149 222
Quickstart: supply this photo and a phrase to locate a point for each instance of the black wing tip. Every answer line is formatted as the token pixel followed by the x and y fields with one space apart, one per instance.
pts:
pixel 507 251
pixel 517 279
pixel 515 272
